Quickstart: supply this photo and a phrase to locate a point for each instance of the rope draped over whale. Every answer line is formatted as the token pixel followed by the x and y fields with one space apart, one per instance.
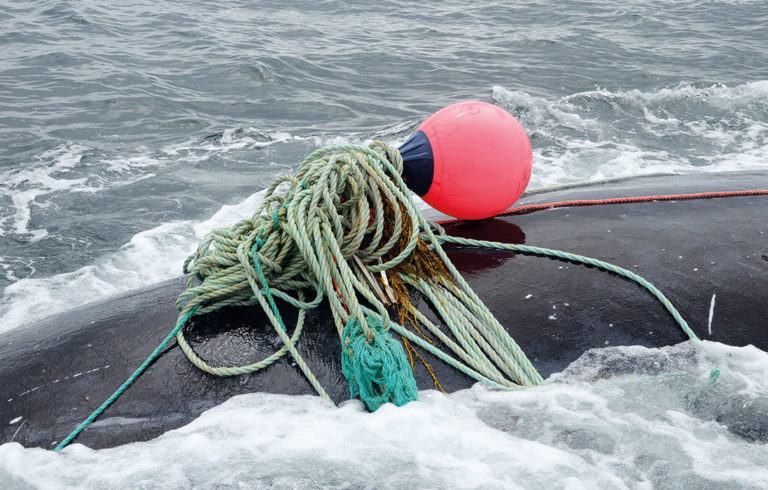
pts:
pixel 348 204
pixel 343 228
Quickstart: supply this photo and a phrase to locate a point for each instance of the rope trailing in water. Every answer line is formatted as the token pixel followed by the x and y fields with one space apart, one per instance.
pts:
pixel 347 205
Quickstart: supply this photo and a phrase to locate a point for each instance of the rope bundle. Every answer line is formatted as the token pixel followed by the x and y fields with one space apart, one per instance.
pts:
pixel 348 204
pixel 347 201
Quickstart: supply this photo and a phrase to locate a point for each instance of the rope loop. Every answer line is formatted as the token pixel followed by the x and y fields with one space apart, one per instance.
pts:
pixel 344 217
pixel 345 203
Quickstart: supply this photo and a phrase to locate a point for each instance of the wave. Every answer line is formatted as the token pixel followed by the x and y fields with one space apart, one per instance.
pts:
pixel 149 257
pixel 603 134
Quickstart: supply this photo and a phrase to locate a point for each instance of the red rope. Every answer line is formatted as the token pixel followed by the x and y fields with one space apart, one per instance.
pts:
pixel 530 208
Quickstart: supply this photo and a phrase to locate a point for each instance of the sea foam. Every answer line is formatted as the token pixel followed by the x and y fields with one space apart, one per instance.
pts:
pixel 628 427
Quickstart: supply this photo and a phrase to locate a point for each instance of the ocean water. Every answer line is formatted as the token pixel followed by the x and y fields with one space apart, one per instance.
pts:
pixel 128 131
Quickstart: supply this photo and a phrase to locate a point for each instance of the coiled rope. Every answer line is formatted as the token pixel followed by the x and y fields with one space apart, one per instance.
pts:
pixel 348 204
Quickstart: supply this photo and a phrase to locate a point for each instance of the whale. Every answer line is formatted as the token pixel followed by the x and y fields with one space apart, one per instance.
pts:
pixel 708 255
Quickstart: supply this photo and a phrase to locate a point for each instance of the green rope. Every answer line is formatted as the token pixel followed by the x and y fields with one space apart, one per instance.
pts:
pixel 307 234
pixel 378 372
pixel 300 239
pixel 158 350
pixel 545 252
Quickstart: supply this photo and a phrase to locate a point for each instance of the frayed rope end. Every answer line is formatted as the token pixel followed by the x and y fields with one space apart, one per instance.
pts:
pixel 378 372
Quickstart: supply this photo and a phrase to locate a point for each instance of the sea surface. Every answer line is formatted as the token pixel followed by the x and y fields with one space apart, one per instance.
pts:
pixel 130 129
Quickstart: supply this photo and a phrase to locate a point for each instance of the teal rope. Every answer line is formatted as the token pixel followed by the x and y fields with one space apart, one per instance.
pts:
pixel 96 413
pixel 281 332
pixel 527 249
pixel 378 372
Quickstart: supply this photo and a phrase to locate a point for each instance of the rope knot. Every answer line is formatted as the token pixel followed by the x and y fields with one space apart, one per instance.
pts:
pixel 378 372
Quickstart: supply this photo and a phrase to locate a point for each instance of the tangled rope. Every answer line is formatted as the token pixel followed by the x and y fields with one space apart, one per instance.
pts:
pixel 347 201
pixel 344 217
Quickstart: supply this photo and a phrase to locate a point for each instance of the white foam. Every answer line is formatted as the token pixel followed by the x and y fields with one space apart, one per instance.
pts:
pixel 59 171
pixel 62 170
pixel 149 257
pixel 606 134
pixel 230 139
pixel 25 185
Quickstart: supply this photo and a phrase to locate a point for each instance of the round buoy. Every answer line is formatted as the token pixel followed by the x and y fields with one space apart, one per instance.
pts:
pixel 470 160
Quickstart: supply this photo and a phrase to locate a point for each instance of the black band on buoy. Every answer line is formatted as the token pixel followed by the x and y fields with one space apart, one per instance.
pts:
pixel 418 163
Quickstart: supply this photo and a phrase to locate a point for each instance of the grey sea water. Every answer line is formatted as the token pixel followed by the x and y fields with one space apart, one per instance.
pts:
pixel 129 129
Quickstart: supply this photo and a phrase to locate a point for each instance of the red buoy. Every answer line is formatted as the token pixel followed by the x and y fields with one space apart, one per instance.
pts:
pixel 470 160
